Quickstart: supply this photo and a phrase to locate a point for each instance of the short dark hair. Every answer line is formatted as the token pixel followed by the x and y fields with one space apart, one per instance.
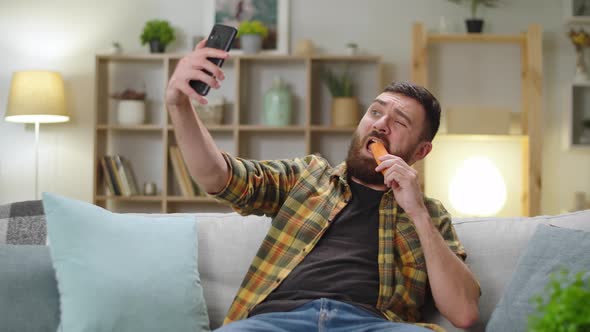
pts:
pixel 426 99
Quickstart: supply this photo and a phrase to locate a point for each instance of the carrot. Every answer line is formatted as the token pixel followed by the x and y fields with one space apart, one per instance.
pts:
pixel 378 150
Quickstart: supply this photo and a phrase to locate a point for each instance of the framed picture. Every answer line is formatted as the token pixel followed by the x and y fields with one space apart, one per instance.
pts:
pixel 273 13
pixel 576 11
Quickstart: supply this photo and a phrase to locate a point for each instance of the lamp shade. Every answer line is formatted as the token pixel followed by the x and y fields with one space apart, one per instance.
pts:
pixel 36 96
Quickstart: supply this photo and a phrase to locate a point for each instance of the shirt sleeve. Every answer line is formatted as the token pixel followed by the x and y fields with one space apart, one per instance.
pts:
pixel 260 187
pixel 443 222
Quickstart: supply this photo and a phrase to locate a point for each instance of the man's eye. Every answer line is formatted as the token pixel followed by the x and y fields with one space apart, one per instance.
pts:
pixel 375 113
pixel 401 123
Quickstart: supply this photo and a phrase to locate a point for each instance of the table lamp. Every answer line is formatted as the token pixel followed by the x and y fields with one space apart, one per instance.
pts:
pixel 36 97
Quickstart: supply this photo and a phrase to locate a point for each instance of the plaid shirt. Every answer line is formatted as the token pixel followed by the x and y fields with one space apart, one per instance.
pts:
pixel 302 196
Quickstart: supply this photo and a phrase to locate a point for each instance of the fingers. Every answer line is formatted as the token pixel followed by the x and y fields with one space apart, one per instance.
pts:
pixel 208 52
pixel 200 44
pixel 396 171
pixel 210 67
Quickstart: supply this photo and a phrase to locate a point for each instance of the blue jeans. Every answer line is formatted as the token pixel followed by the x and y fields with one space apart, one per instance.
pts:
pixel 320 315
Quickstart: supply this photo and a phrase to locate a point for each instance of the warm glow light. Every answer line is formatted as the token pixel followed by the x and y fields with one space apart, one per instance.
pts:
pixel 477 188
pixel 36 96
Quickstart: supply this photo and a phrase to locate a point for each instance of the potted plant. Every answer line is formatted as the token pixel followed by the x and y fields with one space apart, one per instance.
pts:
pixel 130 107
pixel 345 107
pixel 474 24
pixel 565 306
pixel 251 34
pixel 581 40
pixel 158 33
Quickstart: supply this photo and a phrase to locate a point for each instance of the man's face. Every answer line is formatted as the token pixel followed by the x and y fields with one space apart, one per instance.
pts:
pixel 395 120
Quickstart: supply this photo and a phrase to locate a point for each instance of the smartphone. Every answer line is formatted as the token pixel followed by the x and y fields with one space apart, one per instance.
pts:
pixel 221 37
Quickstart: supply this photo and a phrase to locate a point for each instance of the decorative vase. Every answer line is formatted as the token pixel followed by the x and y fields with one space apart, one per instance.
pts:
pixel 156 46
pixel 581 68
pixel 277 105
pixel 474 25
pixel 251 43
pixel 345 111
pixel 131 112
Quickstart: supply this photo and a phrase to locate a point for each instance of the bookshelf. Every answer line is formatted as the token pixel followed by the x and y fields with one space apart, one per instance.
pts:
pixel 242 132
pixel 531 96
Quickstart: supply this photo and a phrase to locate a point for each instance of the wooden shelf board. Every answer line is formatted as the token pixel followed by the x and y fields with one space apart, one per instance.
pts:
pixel 578 20
pixel 476 37
pixel 581 84
pixel 268 57
pixel 146 127
pixel 262 128
pixel 219 128
pixel 352 58
pixel 130 198
pixel 134 56
pixel 480 137
pixel 198 199
pixel 328 129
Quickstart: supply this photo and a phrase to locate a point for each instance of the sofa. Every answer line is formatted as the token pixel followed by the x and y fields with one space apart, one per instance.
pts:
pixel 227 242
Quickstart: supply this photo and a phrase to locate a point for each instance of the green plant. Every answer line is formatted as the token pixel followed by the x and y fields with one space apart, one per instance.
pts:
pixel 252 28
pixel 157 30
pixel 474 4
pixel 339 85
pixel 566 306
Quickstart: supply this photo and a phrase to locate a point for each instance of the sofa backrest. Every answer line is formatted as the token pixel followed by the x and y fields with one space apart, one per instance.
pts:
pixel 228 242
pixel 494 246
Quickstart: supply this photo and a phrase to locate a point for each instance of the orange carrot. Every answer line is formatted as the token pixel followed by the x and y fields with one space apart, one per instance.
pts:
pixel 378 150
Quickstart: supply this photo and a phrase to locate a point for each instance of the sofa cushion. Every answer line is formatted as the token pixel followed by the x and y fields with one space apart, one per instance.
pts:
pixel 29 300
pixel 120 272
pixel 227 244
pixel 23 223
pixel 493 247
pixel 550 250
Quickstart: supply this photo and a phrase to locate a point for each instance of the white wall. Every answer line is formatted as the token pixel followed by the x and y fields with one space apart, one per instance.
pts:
pixel 64 35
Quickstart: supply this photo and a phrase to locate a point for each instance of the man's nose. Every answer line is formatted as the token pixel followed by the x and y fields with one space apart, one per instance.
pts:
pixel 381 125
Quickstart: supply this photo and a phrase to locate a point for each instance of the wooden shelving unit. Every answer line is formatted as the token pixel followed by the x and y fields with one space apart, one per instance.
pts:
pixel 530 43
pixel 242 132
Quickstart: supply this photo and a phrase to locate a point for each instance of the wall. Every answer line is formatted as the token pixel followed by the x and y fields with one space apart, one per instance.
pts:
pixel 64 35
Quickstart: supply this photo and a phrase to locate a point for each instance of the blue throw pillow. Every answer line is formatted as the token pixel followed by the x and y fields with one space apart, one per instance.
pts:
pixel 550 250
pixel 122 272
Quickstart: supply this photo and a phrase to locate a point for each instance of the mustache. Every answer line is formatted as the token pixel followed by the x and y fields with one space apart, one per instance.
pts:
pixel 380 136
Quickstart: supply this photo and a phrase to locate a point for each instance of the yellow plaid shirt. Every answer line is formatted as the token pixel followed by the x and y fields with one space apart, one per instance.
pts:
pixel 302 196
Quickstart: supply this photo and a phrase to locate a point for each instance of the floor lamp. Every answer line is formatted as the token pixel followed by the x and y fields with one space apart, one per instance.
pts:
pixel 36 97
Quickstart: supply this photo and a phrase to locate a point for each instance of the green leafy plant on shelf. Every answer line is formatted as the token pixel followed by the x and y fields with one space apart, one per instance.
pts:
pixel 565 306
pixel 474 4
pixel 158 33
pixel 339 85
pixel 252 28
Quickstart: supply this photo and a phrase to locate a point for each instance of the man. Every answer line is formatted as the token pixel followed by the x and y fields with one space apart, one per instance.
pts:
pixel 356 247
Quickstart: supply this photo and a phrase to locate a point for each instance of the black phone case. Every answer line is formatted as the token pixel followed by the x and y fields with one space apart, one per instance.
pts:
pixel 221 37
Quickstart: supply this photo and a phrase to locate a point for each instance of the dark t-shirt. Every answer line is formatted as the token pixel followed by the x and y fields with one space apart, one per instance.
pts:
pixel 342 266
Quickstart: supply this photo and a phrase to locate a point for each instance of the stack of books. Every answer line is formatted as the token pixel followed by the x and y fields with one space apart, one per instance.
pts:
pixel 118 176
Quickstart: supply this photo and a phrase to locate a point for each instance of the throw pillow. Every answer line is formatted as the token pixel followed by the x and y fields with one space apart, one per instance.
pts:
pixel 123 272
pixel 549 250
pixel 29 300
pixel 23 223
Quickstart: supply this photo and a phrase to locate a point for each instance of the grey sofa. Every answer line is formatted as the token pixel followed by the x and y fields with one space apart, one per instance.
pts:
pixel 227 243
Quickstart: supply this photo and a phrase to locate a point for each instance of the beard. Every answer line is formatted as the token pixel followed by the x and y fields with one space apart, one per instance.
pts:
pixel 362 167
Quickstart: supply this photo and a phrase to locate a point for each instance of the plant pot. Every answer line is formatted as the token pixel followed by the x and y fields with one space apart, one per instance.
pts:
pixel 156 46
pixel 131 112
pixel 251 44
pixel 345 111
pixel 474 25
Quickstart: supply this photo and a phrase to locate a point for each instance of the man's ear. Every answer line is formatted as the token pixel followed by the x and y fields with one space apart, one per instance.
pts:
pixel 423 150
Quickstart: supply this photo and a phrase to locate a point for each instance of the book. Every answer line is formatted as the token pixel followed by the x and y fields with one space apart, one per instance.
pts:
pixel 107 177
pixel 186 178
pixel 176 167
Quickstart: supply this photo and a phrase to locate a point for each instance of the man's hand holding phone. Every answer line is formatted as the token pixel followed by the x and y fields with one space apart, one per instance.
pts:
pixel 199 71
pixel 192 68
